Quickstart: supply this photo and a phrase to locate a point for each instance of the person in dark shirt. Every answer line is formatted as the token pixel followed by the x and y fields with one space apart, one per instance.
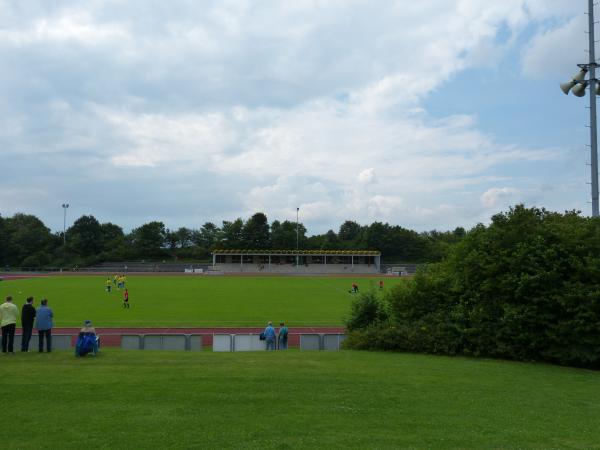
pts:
pixel 27 319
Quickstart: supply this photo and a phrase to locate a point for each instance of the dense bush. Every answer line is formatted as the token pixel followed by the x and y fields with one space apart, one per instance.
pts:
pixel 366 309
pixel 526 287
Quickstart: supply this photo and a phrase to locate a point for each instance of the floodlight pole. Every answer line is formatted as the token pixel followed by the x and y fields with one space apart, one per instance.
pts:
pixel 297 240
pixel 65 206
pixel 593 124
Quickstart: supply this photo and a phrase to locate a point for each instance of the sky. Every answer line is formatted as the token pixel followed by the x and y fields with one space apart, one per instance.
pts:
pixel 430 114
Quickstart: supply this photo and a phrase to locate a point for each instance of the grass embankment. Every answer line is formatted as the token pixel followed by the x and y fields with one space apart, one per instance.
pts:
pixel 293 400
pixel 201 301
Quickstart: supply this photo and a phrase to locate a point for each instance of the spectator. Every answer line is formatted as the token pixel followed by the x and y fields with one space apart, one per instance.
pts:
pixel 27 319
pixel 8 321
pixel 283 336
pixel 88 341
pixel 270 336
pixel 88 328
pixel 44 317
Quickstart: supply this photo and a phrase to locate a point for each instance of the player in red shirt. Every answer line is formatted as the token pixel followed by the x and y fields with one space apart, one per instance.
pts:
pixel 126 299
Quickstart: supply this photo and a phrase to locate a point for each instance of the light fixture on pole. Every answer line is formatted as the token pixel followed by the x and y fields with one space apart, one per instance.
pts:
pixel 65 206
pixel 297 241
pixel 577 86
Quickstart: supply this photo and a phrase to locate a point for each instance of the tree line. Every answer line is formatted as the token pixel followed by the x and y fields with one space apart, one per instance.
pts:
pixel 25 241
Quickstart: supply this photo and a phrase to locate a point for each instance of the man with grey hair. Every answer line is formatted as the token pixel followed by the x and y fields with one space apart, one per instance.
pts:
pixel 270 336
pixel 8 321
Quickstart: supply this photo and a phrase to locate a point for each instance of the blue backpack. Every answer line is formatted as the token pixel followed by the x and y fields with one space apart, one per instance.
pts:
pixel 86 343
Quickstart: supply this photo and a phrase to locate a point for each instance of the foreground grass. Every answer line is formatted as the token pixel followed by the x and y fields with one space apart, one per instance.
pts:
pixel 180 301
pixel 293 400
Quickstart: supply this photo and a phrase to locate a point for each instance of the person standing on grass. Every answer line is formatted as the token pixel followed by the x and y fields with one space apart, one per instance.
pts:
pixel 8 321
pixel 126 299
pixel 283 336
pixel 44 317
pixel 270 336
pixel 27 319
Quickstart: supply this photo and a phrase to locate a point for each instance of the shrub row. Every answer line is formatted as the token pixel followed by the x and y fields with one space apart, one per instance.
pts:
pixel 526 287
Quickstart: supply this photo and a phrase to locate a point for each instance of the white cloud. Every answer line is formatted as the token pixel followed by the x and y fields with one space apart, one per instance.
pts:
pixel 493 197
pixel 266 106
pixel 556 50
pixel 367 176
pixel 71 26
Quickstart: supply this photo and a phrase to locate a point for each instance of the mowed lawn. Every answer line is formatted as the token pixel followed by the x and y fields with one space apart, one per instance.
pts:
pixel 293 400
pixel 201 301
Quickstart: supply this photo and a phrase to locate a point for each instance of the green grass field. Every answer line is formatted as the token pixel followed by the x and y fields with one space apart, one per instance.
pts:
pixel 293 400
pixel 199 301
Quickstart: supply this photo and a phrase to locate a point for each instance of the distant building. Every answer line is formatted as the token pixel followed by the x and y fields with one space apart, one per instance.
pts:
pixel 292 261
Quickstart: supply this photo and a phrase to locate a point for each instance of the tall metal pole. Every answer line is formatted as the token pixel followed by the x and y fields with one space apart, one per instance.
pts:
pixel 65 206
pixel 593 125
pixel 297 241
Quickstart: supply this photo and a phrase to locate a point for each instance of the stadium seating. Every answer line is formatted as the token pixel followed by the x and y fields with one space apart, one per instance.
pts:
pixel 251 342
pixel 59 342
pixel 248 343
pixel 222 343
pixel 333 341
pixel 310 342
pixel 291 269
pixel 176 342
pixel 131 342
pixel 135 266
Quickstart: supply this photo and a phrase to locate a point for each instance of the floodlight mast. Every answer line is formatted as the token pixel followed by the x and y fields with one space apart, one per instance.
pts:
pixel 577 86
pixel 65 206
pixel 297 241
pixel 593 124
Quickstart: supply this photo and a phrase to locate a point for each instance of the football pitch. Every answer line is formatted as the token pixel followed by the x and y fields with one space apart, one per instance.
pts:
pixel 194 301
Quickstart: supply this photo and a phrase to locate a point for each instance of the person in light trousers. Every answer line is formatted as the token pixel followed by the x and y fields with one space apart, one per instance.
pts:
pixel 8 321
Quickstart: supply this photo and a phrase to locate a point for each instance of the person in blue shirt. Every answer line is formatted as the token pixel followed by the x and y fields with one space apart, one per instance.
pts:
pixel 44 324
pixel 270 336
pixel 283 336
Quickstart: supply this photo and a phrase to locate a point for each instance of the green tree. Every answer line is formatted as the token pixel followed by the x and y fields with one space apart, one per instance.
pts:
pixel 84 237
pixel 231 234
pixel 114 243
pixel 3 242
pixel 283 235
pixel 149 239
pixel 256 233
pixel 183 237
pixel 349 231
pixel 207 237
pixel 111 233
pixel 26 236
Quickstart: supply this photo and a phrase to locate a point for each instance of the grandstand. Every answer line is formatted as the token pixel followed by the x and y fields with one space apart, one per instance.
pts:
pixel 297 261
pixel 144 266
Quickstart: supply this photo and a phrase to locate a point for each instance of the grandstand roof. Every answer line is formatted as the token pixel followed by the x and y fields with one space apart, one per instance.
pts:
pixel 296 252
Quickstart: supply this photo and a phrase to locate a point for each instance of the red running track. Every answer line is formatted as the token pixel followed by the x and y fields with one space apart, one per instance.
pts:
pixel 111 337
